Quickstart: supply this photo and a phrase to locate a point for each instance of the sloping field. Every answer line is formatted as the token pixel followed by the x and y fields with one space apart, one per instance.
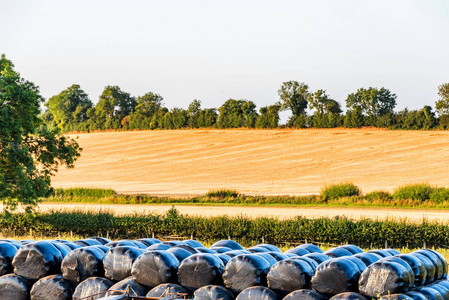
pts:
pixel 270 162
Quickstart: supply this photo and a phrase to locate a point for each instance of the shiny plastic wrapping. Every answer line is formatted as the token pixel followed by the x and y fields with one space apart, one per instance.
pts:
pixel 51 287
pixel 289 275
pixel 159 290
pixel 212 292
pixel 257 292
pixel 92 286
pixel 14 287
pixel 82 263
pixel 305 295
pixel 7 252
pixel 199 270
pixel 118 262
pixel 348 296
pixel 153 268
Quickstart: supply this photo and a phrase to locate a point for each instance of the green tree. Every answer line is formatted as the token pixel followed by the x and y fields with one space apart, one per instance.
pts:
pixel 237 113
pixel 194 111
pixel 269 116
pixel 113 106
pixel 293 95
pixel 69 108
pixel 372 103
pixel 30 153
pixel 146 110
pixel 442 105
pixel 327 111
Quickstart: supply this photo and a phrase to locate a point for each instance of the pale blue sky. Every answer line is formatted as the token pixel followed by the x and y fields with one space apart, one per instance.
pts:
pixel 216 50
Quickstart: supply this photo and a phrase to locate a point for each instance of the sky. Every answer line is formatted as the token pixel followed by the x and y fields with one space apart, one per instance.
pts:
pixel 216 50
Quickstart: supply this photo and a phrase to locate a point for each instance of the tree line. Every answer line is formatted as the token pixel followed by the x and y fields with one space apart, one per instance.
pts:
pixel 72 110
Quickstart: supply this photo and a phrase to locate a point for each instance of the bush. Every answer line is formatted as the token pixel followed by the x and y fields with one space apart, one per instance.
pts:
pixel 419 191
pixel 84 192
pixel 378 195
pixel 336 191
pixel 440 195
pixel 222 194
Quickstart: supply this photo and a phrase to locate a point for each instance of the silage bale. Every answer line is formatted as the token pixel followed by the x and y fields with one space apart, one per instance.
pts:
pixel 311 248
pixel 82 263
pixel 118 262
pixel 16 244
pixel 180 253
pixel 337 252
pixel 100 239
pixel 289 275
pixel 348 296
pixel 224 258
pixel 221 249
pixel 257 292
pixel 63 248
pixel 73 246
pixel 278 256
pixel 194 244
pixel 335 276
pixel 415 295
pixel 212 292
pixel 428 264
pixel 200 270
pixel 244 271
pixel 149 241
pixel 87 242
pixel 15 287
pixel 396 297
pixel 384 277
pixel 236 252
pixel 153 268
pixel 257 250
pixel 128 285
pixel 37 260
pixel 7 252
pixel 188 248
pixel 174 243
pixel 270 259
pixel 392 251
pixel 360 264
pixel 100 247
pixel 417 266
pixel 297 251
pixel 228 243
pixel 404 264
pixel 429 293
pixel 440 271
pixel 443 261
pixel 24 242
pixel 121 243
pixel 380 252
pixel 161 289
pixel 305 295
pixel 206 250
pixel 159 246
pixel 352 248
pixel 312 263
pixel 271 248
pixel 318 257
pixel 444 291
pixel 51 287
pixel 92 286
pixel 368 258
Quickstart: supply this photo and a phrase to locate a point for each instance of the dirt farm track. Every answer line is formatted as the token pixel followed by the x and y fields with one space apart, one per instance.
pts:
pixel 270 162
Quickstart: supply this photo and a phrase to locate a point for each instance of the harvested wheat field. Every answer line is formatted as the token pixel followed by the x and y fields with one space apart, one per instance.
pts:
pixel 269 162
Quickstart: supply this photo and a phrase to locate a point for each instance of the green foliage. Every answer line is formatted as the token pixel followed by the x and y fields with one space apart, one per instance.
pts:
pixel 419 191
pixel 379 195
pixel 84 192
pixel 440 195
pixel 336 191
pixel 269 117
pixel 222 193
pixel 113 106
pixel 29 152
pixel 442 105
pixel 237 113
pixel 293 95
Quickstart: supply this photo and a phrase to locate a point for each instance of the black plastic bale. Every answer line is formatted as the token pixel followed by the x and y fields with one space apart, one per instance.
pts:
pixel 305 295
pixel 159 246
pixel 180 253
pixel 429 293
pixel 37 260
pixel 121 243
pixel 278 256
pixel 63 248
pixel 236 252
pixel 297 251
pixel 224 258
pixel 228 243
pixel 212 292
pixel 128 285
pixel 352 248
pixel 338 252
pixel 417 266
pixel 118 262
pixel 153 268
pixel 311 248
pixel 380 252
pixel 51 287
pixel 289 275
pixel 257 292
pixel 100 239
pixel 87 242
pixel 194 244
pixel 16 244
pixel 244 271
pixel 270 259
pixel 318 257
pixel 415 295
pixel 149 241
pixel 83 263
pixel 428 264
pixel 335 276
pixel 384 277
pixel 161 289
pixel 440 267
pixel 404 264
pixel 7 252
pixel 92 286
pixel 441 289
pixel 348 296
pixel 368 258
pixel 271 248
pixel 396 297
pixel 14 287
pixel 199 270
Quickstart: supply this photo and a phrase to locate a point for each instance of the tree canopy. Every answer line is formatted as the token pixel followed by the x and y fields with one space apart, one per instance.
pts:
pixel 30 153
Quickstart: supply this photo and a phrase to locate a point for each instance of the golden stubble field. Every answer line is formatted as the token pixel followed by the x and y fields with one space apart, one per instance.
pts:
pixel 270 162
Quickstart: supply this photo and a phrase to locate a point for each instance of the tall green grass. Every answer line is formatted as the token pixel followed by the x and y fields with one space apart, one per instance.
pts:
pixel 336 191
pixel 419 191
pixel 84 192
pixel 222 193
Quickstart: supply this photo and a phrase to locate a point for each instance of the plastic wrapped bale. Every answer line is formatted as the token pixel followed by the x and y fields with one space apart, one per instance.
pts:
pixel 368 258
pixel 128 285
pixel 149 241
pixel 437 262
pixel 429 293
pixel 270 259
pixel 384 277
pixel 120 243
pixel 81 264
pixel 312 263
pixel 271 248
pixel 392 251
pixel 297 251
pixel 311 248
pixel 348 296
pixel 153 268
pixel 180 253
pixel 305 295
pixel 161 289
pixel 228 243
pixel 73 246
pixel 24 242
pixel 443 260
pixel 257 292
pixel 360 264
pixel 100 239
pixel 118 262
pixel 318 257
pixel 188 248
pixel 337 252
pixel 194 244
pixel 92 286
pixel 443 282
pixel 212 292
pixel 416 296
pixel 159 246
pixel 396 297
pixel 174 243
pixel 100 247
pixel 380 252
pixel 7 252
pixel 428 264
pixel 289 275
pixel 16 244
pixel 236 252
pixel 14 287
pixel 87 242
pixel 139 245
pixel 404 264
pixel 244 271
pixel 335 276
pixel 221 249
pixel 441 289
pixel 278 256
pixel 417 266
pixel 200 270
pixel 37 260
pixel 257 250
pixel 63 248
pixel 224 258
pixel 352 248
pixel 51 287
pixel 206 250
